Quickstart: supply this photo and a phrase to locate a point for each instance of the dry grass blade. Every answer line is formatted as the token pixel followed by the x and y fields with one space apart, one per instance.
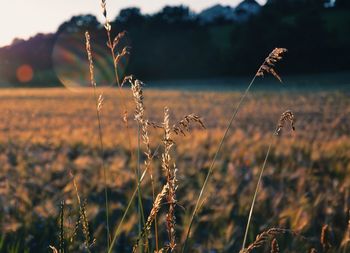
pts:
pixel 152 215
pixel 264 237
pixel 99 103
pixel 83 215
pixel 269 64
pixel 183 125
pixel 170 174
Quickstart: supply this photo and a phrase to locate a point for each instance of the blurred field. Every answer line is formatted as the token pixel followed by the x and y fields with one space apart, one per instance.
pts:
pixel 45 133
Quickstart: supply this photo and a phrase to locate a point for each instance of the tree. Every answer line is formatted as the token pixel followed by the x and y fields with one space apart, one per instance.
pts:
pixel 342 3
pixel 130 16
pixel 297 4
pixel 79 23
pixel 175 14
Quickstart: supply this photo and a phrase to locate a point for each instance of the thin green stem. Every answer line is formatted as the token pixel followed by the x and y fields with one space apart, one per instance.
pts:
pixel 211 168
pixel 100 134
pixel 117 230
pixel 254 198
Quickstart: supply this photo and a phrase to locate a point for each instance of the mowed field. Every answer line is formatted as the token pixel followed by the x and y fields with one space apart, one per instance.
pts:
pixel 49 134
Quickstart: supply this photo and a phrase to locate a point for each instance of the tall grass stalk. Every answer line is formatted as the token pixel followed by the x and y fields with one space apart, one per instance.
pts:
pixel 98 103
pixel 140 211
pixel 267 67
pixel 211 168
pixel 286 116
pixel 153 214
pixel 82 215
pixel 119 227
pixel 138 180
pixel 254 198
pixel 116 57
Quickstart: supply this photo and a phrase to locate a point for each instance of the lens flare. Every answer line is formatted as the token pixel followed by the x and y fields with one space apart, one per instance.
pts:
pixel 71 64
pixel 24 73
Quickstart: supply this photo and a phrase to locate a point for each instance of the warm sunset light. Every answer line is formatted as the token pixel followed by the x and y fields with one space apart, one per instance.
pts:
pixel 24 73
pixel 175 126
pixel 26 22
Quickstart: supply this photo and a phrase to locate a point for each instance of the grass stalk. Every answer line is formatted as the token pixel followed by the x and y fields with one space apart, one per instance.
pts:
pixel 286 116
pixel 268 66
pixel 211 168
pixel 254 197
pixel 82 215
pixel 116 56
pixel 98 106
pixel 119 227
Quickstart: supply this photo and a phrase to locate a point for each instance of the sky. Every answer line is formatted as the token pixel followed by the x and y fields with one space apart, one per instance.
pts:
pixel 25 18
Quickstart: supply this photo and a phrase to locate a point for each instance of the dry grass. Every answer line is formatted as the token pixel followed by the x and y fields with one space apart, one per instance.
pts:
pixel 306 176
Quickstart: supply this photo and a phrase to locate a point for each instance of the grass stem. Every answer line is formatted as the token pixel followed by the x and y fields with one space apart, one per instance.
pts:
pixel 254 198
pixel 211 168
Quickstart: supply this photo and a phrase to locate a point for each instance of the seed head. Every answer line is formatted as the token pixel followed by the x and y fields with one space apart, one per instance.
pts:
pixel 269 64
pixel 287 116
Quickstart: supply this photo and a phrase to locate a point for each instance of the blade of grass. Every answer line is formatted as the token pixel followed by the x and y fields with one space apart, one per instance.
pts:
pixel 100 134
pixel 287 116
pixel 254 198
pixel 266 67
pixel 211 168
pixel 122 96
pixel 117 230
pixel 141 215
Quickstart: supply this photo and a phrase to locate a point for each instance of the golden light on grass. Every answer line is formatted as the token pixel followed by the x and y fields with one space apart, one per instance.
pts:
pixel 117 184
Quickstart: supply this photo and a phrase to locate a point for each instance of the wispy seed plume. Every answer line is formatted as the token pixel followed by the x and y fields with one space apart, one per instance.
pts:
pixel 268 67
pixel 287 116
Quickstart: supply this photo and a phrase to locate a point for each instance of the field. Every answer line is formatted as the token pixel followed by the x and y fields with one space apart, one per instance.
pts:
pixel 49 134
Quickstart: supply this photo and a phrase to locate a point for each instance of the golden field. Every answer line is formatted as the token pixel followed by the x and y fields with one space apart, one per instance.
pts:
pixel 48 133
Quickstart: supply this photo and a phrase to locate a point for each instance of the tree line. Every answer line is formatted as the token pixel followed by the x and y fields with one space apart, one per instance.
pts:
pixel 175 44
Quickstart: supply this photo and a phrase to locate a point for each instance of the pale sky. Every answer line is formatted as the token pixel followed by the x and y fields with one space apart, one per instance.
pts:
pixel 25 18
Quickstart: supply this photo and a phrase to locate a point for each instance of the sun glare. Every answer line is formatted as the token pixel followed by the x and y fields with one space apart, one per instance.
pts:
pixel 24 73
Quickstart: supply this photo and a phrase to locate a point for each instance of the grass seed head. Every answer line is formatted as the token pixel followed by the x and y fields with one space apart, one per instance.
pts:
pixel 89 54
pixel 100 102
pixel 263 238
pixel 270 62
pixel 183 125
pixel 287 116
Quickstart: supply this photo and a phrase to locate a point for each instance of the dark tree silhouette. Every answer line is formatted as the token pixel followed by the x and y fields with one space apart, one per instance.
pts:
pixel 174 43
